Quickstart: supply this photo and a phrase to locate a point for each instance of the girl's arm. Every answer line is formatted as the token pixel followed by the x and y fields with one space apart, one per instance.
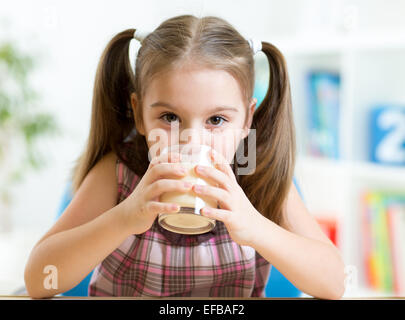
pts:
pixel 301 251
pixel 89 230
pixel 93 225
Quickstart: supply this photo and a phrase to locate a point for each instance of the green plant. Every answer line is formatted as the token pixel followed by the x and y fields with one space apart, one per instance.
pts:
pixel 22 124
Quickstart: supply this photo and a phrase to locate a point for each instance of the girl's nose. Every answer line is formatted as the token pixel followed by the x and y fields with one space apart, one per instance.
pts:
pixel 195 136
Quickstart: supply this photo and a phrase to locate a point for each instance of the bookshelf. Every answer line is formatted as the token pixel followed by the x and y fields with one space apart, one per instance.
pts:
pixel 372 71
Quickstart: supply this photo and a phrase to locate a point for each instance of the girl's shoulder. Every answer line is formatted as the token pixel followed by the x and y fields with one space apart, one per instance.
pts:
pixel 106 165
pixel 105 170
pixel 109 159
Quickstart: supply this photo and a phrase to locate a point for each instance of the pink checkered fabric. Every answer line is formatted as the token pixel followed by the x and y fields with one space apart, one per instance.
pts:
pixel 154 264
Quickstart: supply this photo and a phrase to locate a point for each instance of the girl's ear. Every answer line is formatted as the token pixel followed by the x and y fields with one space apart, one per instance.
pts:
pixel 138 122
pixel 251 111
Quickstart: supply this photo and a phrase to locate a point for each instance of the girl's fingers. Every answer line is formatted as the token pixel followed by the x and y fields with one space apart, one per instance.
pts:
pixel 166 185
pixel 218 194
pixel 214 176
pixel 221 163
pixel 216 214
pixel 165 158
pixel 166 170
pixel 156 207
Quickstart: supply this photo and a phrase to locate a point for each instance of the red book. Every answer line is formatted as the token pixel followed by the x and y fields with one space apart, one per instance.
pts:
pixel 329 226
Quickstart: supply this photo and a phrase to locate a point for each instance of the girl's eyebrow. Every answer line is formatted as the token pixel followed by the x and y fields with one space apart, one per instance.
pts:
pixel 168 105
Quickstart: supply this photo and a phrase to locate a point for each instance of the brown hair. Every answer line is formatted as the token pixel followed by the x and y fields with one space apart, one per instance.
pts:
pixel 213 43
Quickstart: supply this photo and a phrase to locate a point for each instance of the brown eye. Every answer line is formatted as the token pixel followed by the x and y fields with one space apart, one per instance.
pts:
pixel 216 120
pixel 169 117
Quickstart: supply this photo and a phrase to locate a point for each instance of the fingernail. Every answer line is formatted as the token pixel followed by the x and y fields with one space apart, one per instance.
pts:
pixel 187 184
pixel 198 188
pixel 207 210
pixel 200 169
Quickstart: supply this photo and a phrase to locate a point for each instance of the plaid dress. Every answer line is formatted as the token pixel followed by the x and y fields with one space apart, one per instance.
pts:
pixel 161 263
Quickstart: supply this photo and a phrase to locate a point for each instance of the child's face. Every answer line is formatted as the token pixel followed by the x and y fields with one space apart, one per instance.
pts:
pixel 206 104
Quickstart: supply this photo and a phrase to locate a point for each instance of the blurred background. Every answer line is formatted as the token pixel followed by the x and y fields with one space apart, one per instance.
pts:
pixel 346 61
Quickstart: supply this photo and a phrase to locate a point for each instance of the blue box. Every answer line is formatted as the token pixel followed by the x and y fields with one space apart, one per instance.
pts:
pixel 387 134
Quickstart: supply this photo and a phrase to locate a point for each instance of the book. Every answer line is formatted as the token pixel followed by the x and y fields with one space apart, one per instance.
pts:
pixel 323 120
pixel 385 248
pixel 383 240
pixel 396 218
pixel 329 226
pixel 369 257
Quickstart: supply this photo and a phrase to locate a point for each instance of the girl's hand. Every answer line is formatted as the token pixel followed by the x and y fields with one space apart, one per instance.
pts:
pixel 142 206
pixel 236 211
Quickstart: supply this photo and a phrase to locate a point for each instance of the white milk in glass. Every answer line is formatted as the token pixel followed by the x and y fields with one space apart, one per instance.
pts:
pixel 188 219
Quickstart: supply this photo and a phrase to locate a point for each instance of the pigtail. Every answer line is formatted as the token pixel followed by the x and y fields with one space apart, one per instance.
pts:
pixel 268 186
pixel 111 118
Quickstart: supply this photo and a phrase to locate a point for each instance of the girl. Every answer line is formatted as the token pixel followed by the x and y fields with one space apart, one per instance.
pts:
pixel 199 74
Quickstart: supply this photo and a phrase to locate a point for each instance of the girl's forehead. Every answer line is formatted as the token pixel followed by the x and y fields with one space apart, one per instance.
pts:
pixel 210 86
